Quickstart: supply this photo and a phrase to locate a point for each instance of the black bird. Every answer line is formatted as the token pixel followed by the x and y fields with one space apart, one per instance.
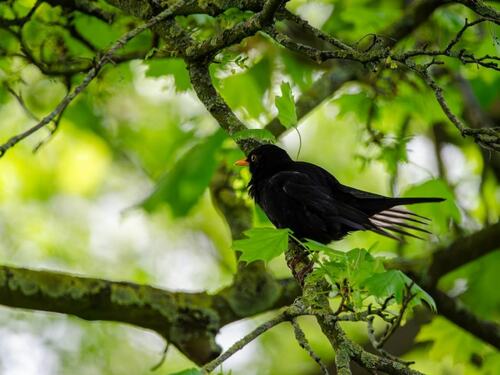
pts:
pixel 315 205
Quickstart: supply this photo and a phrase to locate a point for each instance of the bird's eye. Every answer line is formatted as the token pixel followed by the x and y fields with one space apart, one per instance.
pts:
pixel 253 158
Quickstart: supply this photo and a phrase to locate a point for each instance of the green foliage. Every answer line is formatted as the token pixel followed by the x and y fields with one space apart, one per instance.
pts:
pixel 191 371
pixel 262 244
pixel 394 153
pixel 182 186
pixel 356 104
pixel 394 283
pixel 299 69
pixel 357 270
pixel 365 276
pixel 174 67
pixel 123 132
pixel 484 89
pixel 260 219
pixel 355 266
pixel 83 115
pixel 480 280
pixel 440 213
pixel 245 91
pixel 286 106
pixel 100 33
pixel 448 340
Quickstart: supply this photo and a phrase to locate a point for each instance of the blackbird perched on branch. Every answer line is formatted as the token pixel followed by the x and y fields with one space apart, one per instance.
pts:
pixel 315 205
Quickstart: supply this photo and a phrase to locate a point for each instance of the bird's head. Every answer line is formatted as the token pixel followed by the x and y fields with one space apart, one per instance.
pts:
pixel 265 160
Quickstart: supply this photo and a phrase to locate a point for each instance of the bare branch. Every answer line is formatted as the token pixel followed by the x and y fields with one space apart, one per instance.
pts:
pixel 319 55
pixel 393 323
pixel 461 32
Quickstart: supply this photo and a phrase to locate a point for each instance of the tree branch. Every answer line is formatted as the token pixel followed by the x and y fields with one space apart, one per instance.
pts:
pixel 202 84
pixel 340 73
pixel 144 9
pixel 463 251
pixel 316 302
pixel 237 33
pixel 487 137
pixel 189 321
pixel 304 344
pixel 99 64
pixel 455 311
pixel 287 315
pixel 482 9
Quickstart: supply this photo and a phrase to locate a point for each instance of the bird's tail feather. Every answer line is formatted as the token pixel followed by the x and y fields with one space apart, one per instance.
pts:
pixel 375 205
pixel 404 201
pixel 396 220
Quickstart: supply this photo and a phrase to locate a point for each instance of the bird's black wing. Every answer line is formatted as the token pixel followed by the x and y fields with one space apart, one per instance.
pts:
pixel 297 201
pixel 381 210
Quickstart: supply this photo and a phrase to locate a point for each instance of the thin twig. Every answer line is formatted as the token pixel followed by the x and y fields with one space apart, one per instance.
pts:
pixel 101 62
pixel 304 344
pixel 461 32
pixel 391 328
pixel 486 137
pixel 21 102
pixel 286 14
pixel 240 344
pixel 162 359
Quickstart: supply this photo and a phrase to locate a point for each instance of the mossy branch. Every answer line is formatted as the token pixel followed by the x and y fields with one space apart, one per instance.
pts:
pixel 189 321
pixel 315 299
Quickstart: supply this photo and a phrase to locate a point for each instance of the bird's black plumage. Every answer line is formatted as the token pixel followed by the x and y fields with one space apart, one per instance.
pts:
pixel 315 205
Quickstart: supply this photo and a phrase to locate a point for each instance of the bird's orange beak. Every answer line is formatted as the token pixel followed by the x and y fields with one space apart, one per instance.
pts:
pixel 242 163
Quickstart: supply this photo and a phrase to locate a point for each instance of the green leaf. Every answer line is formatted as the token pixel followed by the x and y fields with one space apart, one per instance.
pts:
pixel 263 135
pixel 286 106
pixel 361 265
pixel 299 69
pixel 355 265
pixel 183 185
pixel 260 218
pixel 83 115
pixel 448 339
pixel 175 67
pixel 394 153
pixel 262 244
pixel 319 247
pixel 246 90
pixel 481 295
pixel 353 105
pixel 393 283
pixel 191 371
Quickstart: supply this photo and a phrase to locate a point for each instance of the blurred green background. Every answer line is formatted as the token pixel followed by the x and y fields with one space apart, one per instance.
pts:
pixel 75 204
